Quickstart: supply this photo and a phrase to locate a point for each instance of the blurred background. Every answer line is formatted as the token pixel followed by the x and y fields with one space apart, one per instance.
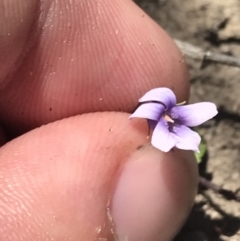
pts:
pixel 213 25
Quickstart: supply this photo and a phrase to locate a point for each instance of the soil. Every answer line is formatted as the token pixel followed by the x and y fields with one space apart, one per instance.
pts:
pixel 213 25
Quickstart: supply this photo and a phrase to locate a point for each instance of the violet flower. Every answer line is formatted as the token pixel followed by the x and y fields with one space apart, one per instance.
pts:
pixel 170 122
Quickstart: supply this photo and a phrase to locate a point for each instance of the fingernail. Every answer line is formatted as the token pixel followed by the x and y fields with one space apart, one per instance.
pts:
pixel 143 206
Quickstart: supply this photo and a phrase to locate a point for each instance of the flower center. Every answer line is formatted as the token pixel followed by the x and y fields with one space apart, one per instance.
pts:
pixel 168 118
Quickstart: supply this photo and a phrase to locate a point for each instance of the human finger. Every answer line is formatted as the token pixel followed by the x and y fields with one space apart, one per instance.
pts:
pixel 82 56
pixel 63 181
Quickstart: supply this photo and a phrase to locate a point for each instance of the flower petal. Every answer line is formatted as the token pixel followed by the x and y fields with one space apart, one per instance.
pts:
pixel 152 124
pixel 162 138
pixel 164 95
pixel 151 111
pixel 186 138
pixel 195 114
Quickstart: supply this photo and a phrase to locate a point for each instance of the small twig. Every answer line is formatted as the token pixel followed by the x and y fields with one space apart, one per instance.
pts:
pixel 200 54
pixel 229 195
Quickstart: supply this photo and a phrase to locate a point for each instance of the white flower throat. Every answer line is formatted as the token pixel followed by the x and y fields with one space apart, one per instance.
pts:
pixel 168 118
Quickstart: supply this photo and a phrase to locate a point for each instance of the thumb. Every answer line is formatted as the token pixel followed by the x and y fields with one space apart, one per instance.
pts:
pixel 56 183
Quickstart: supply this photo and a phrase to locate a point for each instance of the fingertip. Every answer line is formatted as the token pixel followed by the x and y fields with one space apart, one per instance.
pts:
pixel 154 194
pixel 125 54
pixel 64 174
pixel 61 175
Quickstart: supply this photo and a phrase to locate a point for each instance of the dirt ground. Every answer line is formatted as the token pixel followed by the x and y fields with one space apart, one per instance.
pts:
pixel 213 25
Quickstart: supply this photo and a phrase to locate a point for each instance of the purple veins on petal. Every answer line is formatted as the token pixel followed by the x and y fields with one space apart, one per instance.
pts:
pixel 162 138
pixel 194 114
pixel 163 95
pixel 151 111
pixel 186 138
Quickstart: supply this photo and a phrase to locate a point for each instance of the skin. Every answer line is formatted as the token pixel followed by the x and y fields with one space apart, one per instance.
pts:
pixel 72 166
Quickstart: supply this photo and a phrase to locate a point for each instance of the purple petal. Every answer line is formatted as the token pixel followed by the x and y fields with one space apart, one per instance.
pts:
pixel 186 138
pixel 152 124
pixel 162 138
pixel 164 95
pixel 151 111
pixel 195 114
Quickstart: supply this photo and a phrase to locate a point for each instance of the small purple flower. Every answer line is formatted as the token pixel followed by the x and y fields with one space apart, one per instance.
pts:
pixel 170 122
